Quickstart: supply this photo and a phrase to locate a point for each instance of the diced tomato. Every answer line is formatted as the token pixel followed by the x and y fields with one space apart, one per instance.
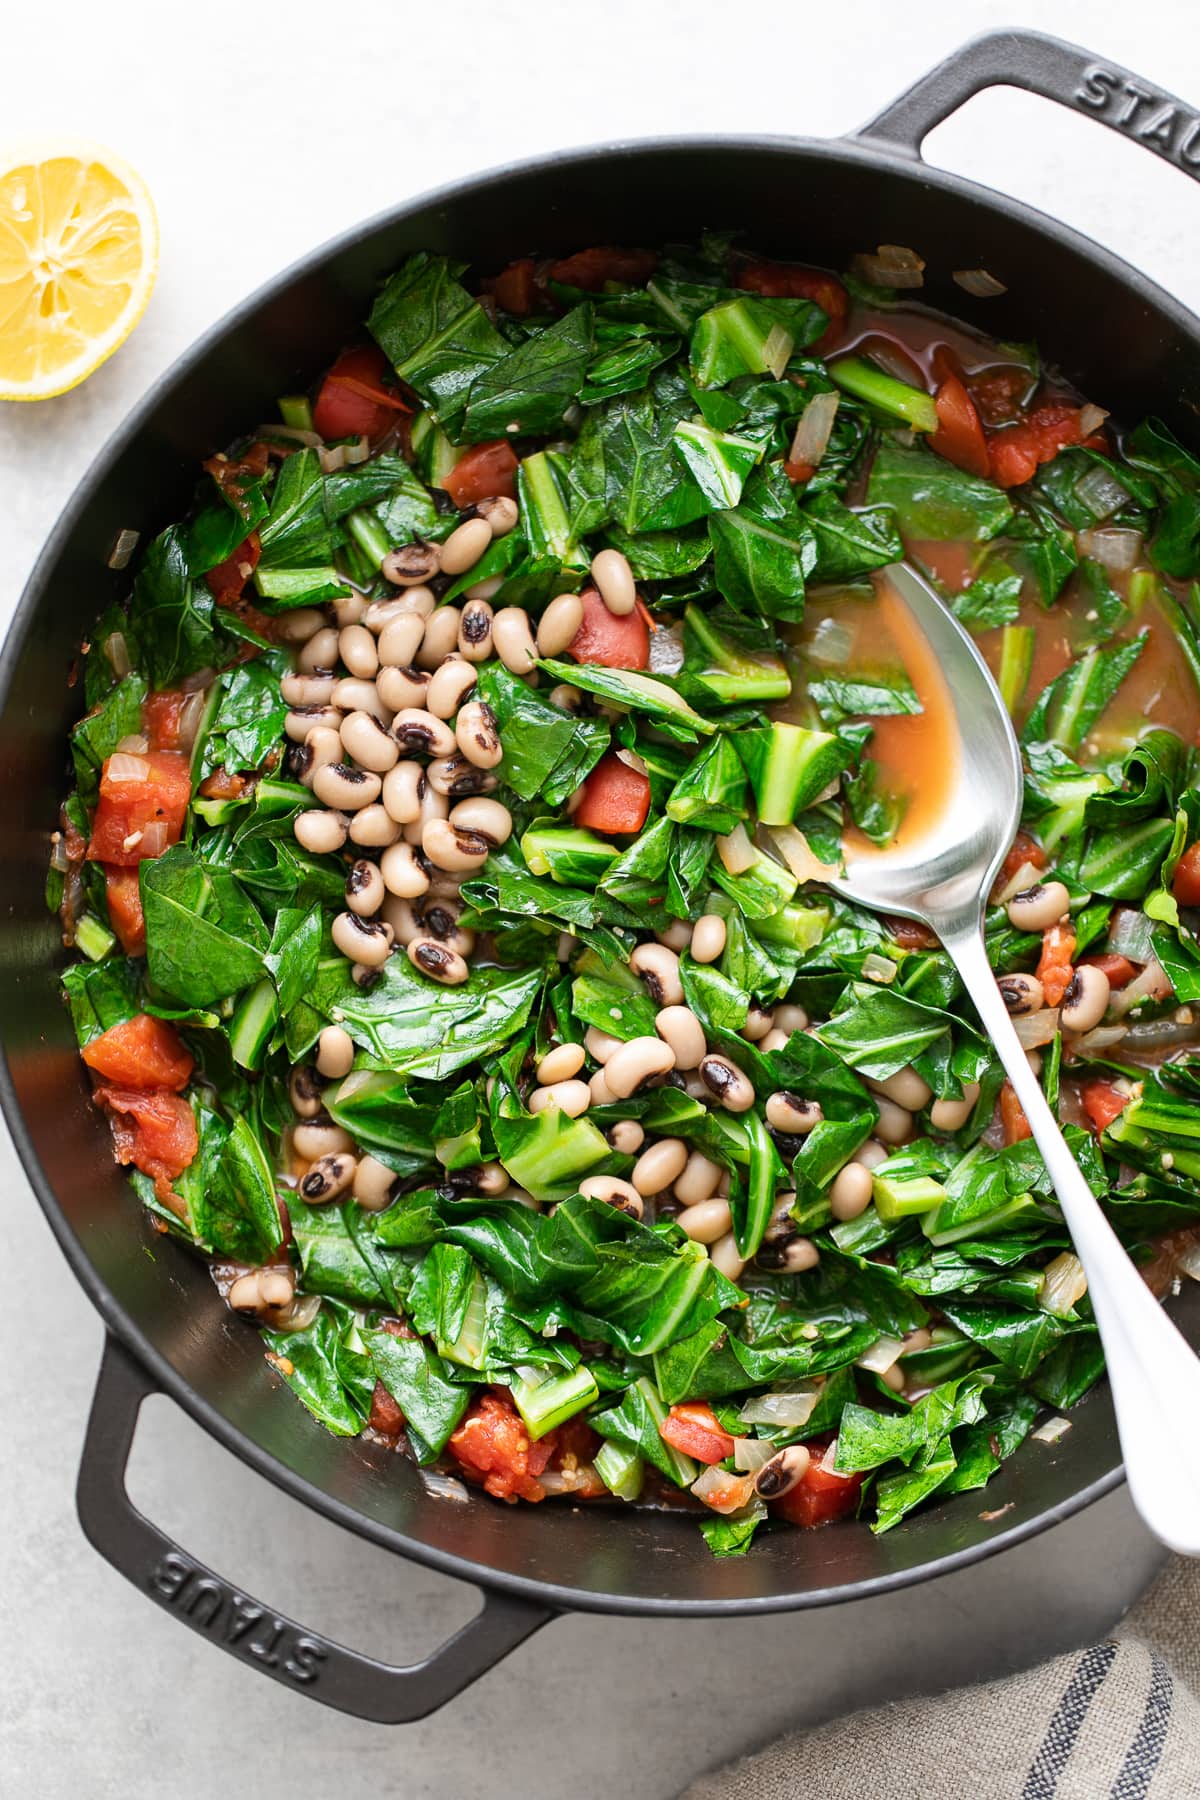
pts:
pixel 798 472
pixel 1185 883
pixel 228 579
pixel 998 393
pixel 162 717
pixel 614 643
pixel 493 1448
pixel 385 1415
pixel 154 1131
pixel 514 288
pixel 822 1494
pixel 1119 969
pixel 1103 1102
pixel 124 894
pixel 591 269
pixel 616 798
pixel 353 400
pixel 142 1052
pixel 694 1430
pixel 484 472
pixel 1024 850
pixel 1015 452
pixel 959 436
pixel 221 785
pixel 1012 1116
pixel 1054 969
pixel 143 817
pixel 235 474
pixel 788 281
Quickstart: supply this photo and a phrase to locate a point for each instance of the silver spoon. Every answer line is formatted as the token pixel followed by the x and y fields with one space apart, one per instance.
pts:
pixel 942 879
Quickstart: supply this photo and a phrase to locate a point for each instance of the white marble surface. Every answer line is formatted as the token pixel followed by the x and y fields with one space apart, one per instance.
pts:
pixel 262 130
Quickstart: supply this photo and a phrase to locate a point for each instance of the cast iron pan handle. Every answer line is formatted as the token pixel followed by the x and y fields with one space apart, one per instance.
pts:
pixel 266 1640
pixel 1056 70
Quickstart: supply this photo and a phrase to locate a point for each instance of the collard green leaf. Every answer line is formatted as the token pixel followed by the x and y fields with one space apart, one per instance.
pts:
pixel 933 499
pixel 438 339
pixel 532 387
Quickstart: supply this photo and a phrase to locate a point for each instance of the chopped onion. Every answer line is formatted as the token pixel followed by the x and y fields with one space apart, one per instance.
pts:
pixel 1101 1037
pixel 1100 491
pixel 791 1410
pixel 300 1315
pixel 879 968
pixel 1091 418
pixel 1052 1430
pixel 1063 1285
pixel 190 715
pixel 777 349
pixel 293 434
pixel 722 1492
pixel 1189 1261
pixel 136 744
pixel 122 767
pixel 1113 545
pixel 632 760
pixel 154 838
pixel 60 862
pixel 893 265
pixel 1037 1028
pixel 350 1084
pixel 736 851
pixel 978 282
pixel 445 1487
pixel 666 652
pixel 831 643
pixel 792 845
pixel 117 652
pixel 124 545
pixel 881 1355
pixel 1027 876
pixel 1151 984
pixel 1131 934
pixel 749 1454
pixel 1156 1034
pixel 812 433
pixel 332 460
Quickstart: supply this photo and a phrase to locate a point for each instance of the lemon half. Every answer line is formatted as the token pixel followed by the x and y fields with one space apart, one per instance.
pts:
pixel 78 258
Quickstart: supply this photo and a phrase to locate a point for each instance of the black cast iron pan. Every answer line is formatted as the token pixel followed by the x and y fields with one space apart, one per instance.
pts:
pixel 1128 344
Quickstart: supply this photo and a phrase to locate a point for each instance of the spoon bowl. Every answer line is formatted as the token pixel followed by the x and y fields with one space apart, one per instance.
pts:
pixel 942 878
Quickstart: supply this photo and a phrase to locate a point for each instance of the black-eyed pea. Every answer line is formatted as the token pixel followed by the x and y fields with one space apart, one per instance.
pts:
pixel 380 613
pixel 449 686
pixel 638 1060
pixel 791 1018
pixel 349 609
pixel 851 1192
pixel 560 1064
pixel 359 651
pixel 307 690
pixel 441 638
pixel 793 1114
pixel 322 833
pixel 708 938
pixel 433 806
pixel 774 1040
pixel 403 871
pixel 457 778
pixel 402 791
pixel 906 1088
pixel 726 1083
pixel 657 1167
pixel 614 581
pixel 487 818
pixel 781 1474
pixel 659 970
pixel 316 1138
pixel 438 961
pixel 300 625
pixel 420 733
pixel 323 746
pixel 475 631
pixel 1021 994
pixel 677 936
pixel 300 720
pixel 699 1181
pixel 600 1044
pixel 369 742
pixel 1034 908
pixel 373 827
pixel 613 1192
pixel 304 1092
pixel 372 1184
pixel 602 1094
pixel 465 545
pixel 512 639
pixel 758 1023
pixel 478 735
pixel 788 1255
pixel 500 512
pixel 626 1137
pixel 335 1053
pixel 364 888
pixel 401 689
pixel 952 1115
pixel 346 788
pixel 327 1178
pixel 362 940
pixel 449 847
pixel 403 918
pixel 559 625
pixel 895 1123
pixel 726 1258
pixel 411 565
pixel 352 694
pixel 1085 1002
pixel 400 640
pixel 706 1220
pixel 570 1097
pixel 264 1294
pixel 679 1027
pixel 440 919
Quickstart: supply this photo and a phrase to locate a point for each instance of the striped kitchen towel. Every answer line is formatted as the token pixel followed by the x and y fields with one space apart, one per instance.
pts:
pixel 1117 1721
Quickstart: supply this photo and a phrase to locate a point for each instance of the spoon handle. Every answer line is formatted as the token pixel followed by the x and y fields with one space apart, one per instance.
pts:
pixel 1153 1373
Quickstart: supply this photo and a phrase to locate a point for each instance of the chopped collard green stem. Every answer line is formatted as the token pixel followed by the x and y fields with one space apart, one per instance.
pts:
pixel 445 867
